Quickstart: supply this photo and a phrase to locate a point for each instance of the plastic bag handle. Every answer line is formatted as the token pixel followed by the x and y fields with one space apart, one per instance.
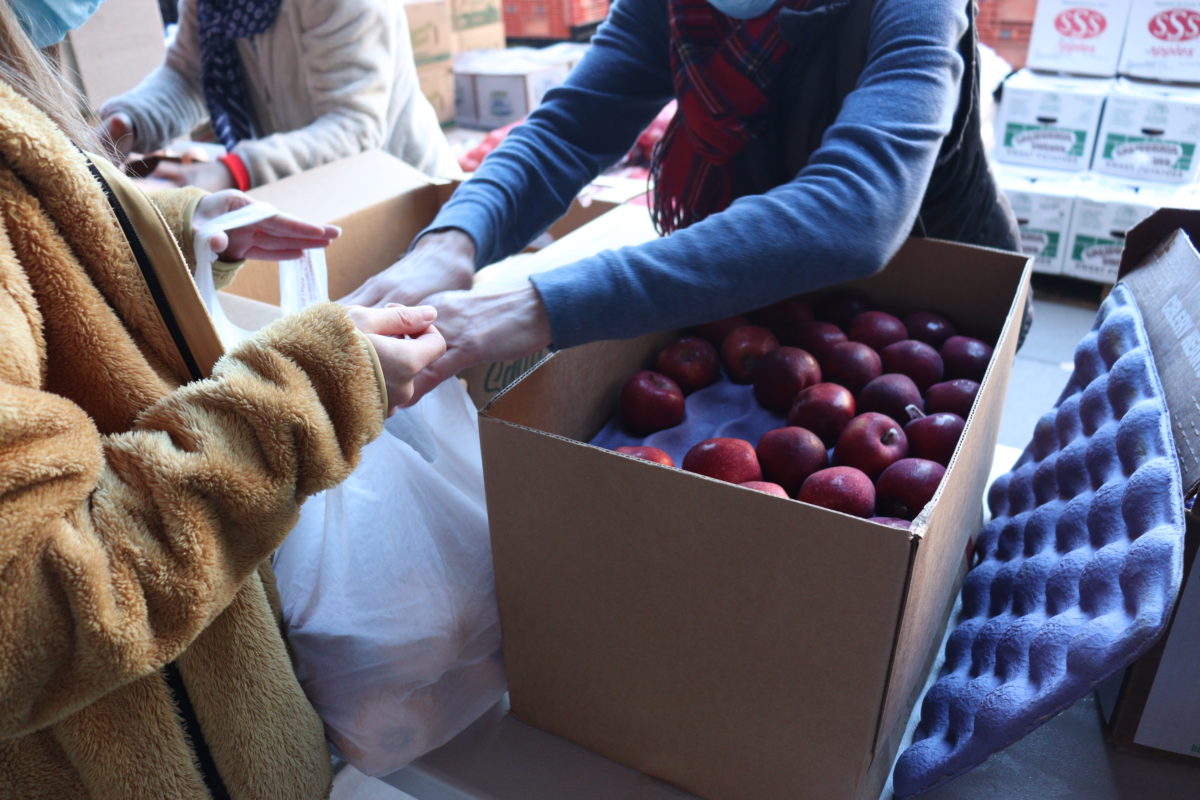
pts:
pixel 302 282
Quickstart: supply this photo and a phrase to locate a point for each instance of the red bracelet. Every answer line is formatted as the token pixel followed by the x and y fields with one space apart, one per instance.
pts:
pixel 237 168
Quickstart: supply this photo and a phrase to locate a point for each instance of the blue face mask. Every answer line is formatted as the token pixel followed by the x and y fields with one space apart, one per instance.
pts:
pixel 48 21
pixel 743 9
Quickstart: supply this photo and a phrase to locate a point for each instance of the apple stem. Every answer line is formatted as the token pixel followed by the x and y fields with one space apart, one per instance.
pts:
pixel 914 412
pixel 890 436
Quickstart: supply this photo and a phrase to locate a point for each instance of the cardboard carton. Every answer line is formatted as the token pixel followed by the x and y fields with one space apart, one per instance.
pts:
pixel 734 644
pixel 118 46
pixel 1104 212
pixel 381 204
pixel 1154 705
pixel 1043 201
pixel 1081 37
pixel 485 37
pixel 1049 121
pixel 1162 42
pixel 506 85
pixel 477 25
pixel 1150 132
pixel 437 84
pixel 429 29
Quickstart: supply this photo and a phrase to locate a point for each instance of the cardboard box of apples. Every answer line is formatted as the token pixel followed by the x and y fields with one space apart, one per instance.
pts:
pixel 736 642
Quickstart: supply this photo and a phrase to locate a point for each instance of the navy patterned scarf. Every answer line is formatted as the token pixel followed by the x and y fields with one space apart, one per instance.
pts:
pixel 219 24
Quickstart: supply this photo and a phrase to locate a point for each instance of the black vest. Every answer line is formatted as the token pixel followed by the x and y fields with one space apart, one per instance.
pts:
pixel 828 51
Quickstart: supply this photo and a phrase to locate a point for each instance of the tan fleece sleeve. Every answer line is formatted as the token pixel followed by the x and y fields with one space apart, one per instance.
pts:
pixel 116 551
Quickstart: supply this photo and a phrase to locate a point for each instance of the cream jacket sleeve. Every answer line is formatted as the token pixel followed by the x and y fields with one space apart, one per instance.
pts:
pixel 169 102
pixel 350 63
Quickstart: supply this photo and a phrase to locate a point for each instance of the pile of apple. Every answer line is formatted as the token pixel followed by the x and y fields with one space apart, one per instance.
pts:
pixel 875 404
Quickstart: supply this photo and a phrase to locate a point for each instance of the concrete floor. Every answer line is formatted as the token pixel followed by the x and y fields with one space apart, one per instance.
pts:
pixel 1065 759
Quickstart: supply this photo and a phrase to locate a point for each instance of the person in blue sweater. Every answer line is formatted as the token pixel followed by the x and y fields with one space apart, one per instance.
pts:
pixel 812 138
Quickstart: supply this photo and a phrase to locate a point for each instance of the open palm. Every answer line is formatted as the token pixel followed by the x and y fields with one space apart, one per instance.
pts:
pixel 276 238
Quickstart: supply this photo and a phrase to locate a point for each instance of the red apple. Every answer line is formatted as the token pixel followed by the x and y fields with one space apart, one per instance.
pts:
pixel 650 402
pixel 815 337
pixel 907 486
pixel 716 331
pixel 876 329
pixel 785 314
pixel 842 489
pixel 691 362
pixel 767 487
pixel 852 364
pixel 956 396
pixel 925 326
pixel 891 394
pixel 917 360
pixel 789 455
pixel 871 443
pixel 825 409
pixel 647 454
pixel 934 436
pixel 892 522
pixel 966 357
pixel 841 307
pixel 732 460
pixel 781 374
pixel 742 349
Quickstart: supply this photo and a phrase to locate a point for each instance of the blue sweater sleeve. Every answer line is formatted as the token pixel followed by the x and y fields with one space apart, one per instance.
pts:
pixel 581 128
pixel 841 218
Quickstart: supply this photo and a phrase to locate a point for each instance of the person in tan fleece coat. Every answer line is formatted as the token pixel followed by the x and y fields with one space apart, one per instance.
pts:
pixel 144 485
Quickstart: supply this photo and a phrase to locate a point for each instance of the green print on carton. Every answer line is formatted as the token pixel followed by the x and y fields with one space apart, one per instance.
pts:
pixel 1046 141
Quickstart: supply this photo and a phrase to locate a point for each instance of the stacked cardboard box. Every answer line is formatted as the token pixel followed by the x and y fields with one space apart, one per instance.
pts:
pixel 1044 202
pixel 494 88
pixel 431 34
pixel 477 25
pixel 1101 96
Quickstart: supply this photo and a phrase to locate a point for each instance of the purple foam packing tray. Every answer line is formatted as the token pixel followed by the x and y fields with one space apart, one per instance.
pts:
pixel 1076 573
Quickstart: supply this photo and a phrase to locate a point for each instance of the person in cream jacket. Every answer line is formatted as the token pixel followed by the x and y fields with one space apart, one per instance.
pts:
pixel 322 80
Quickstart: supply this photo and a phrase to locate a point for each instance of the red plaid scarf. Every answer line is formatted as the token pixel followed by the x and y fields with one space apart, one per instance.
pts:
pixel 724 72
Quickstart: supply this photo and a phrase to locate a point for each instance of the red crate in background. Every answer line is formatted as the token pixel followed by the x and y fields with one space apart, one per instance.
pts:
pixel 1004 25
pixel 550 19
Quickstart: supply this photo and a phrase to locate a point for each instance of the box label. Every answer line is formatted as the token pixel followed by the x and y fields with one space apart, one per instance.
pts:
pixel 1157 155
pixel 1050 143
pixel 474 13
pixel 1039 243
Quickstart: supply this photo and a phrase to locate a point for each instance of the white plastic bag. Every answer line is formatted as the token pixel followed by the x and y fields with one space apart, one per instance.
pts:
pixel 388 594
pixel 386 581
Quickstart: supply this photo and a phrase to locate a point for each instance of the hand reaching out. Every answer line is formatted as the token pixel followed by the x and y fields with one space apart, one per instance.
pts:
pixel 481 326
pixel 276 238
pixel 440 261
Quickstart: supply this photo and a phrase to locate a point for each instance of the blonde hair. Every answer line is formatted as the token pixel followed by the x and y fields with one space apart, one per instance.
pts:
pixel 35 74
